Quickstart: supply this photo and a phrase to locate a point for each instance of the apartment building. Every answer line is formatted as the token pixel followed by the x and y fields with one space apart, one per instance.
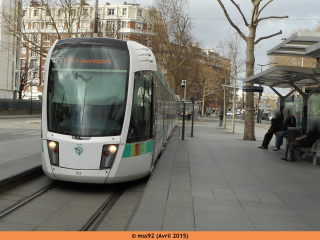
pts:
pixel 9 56
pixel 42 25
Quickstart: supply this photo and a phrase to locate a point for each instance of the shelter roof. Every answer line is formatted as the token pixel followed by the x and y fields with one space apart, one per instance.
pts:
pixel 301 44
pixel 284 76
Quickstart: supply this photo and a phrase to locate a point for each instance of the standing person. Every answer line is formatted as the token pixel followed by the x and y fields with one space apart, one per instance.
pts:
pixel 276 125
pixel 290 121
pixel 221 119
pixel 188 117
pixel 303 141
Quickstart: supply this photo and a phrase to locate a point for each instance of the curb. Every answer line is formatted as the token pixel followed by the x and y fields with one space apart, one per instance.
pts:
pixel 16 177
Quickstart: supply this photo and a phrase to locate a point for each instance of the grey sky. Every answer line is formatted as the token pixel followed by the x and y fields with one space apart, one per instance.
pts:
pixel 210 24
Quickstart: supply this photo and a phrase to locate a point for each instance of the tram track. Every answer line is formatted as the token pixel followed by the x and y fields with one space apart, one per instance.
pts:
pixel 26 200
pixel 93 223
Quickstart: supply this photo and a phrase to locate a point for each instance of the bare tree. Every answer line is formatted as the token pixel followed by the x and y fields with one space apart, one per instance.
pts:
pixel 230 48
pixel 61 17
pixel 26 73
pixel 251 41
pixel 172 27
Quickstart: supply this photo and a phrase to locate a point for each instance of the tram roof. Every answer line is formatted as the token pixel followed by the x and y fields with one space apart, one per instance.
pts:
pixel 285 76
pixel 301 44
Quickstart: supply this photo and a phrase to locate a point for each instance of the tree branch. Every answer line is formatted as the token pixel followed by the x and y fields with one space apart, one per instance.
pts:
pixel 264 7
pixel 244 18
pixel 230 21
pixel 272 35
pixel 261 19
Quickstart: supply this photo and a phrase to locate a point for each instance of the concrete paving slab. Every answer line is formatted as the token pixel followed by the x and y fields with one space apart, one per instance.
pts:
pixel 215 183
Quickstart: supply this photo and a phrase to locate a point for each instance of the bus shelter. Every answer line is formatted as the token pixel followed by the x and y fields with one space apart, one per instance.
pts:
pixel 301 44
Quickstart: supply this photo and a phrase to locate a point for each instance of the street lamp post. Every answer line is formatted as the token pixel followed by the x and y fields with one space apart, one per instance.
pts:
pixel 184 85
pixel 96 19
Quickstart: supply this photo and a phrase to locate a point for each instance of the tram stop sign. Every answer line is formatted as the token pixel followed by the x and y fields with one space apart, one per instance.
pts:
pixel 252 89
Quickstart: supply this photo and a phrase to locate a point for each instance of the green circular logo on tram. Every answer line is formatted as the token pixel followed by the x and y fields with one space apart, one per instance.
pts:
pixel 78 150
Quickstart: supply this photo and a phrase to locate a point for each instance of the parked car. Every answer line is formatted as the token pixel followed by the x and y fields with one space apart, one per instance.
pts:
pixel 229 113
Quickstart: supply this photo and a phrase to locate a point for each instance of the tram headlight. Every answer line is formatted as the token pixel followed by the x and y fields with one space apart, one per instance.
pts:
pixel 108 155
pixel 53 150
pixel 112 149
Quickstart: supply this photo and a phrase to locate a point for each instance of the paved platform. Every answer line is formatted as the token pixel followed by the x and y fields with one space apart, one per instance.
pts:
pixel 218 182
pixel 20 145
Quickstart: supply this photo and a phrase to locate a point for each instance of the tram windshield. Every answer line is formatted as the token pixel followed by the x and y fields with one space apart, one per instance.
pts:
pixel 87 89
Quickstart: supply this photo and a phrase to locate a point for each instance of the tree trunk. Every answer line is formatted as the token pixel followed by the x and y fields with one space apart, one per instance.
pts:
pixel 224 107
pixel 234 99
pixel 249 118
pixel 203 103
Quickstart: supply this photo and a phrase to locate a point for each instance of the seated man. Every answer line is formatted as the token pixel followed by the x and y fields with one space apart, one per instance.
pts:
pixel 276 125
pixel 303 141
pixel 290 121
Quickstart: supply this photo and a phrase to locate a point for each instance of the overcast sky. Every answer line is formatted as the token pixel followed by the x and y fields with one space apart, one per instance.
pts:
pixel 210 24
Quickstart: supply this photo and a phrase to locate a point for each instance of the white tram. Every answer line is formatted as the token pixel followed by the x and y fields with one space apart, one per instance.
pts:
pixel 106 111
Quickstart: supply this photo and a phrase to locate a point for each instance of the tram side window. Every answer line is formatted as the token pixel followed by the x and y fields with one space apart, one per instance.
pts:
pixel 140 122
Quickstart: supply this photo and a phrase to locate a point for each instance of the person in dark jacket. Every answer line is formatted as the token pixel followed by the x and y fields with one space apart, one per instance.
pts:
pixel 290 121
pixel 303 141
pixel 221 119
pixel 276 126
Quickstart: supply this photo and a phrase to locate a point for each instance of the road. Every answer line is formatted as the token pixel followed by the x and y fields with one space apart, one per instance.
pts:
pixel 19 138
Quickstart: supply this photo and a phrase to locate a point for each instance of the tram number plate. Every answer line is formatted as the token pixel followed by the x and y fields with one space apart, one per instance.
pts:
pixel 78 173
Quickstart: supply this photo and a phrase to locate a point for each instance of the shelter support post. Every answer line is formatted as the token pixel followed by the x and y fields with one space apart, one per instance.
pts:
pixel 282 98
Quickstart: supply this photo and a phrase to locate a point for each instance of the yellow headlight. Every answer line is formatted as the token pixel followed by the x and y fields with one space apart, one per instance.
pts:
pixel 52 145
pixel 112 149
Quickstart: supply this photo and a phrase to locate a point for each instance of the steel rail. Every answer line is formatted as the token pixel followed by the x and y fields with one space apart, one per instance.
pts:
pixel 94 222
pixel 25 200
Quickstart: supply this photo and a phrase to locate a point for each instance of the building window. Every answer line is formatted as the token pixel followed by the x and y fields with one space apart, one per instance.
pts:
pixel 60 12
pixel 23 63
pixel 124 24
pixel 33 63
pixel 149 27
pixel 85 12
pixel 48 12
pixel 73 12
pixel 139 26
pixel 24 13
pixel 35 38
pixel 111 11
pixel 139 13
pixel 48 25
pixel 124 11
pixel 24 25
pixel 35 25
pixel 34 54
pixel 23 51
pixel 149 42
pixel 47 38
pixel 35 74
pixel 60 25
pixel 35 13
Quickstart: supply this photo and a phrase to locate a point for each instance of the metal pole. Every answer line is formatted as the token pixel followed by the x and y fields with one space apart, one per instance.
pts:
pixel 31 99
pixel 183 119
pixel 184 109
pixel 96 20
pixel 192 120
